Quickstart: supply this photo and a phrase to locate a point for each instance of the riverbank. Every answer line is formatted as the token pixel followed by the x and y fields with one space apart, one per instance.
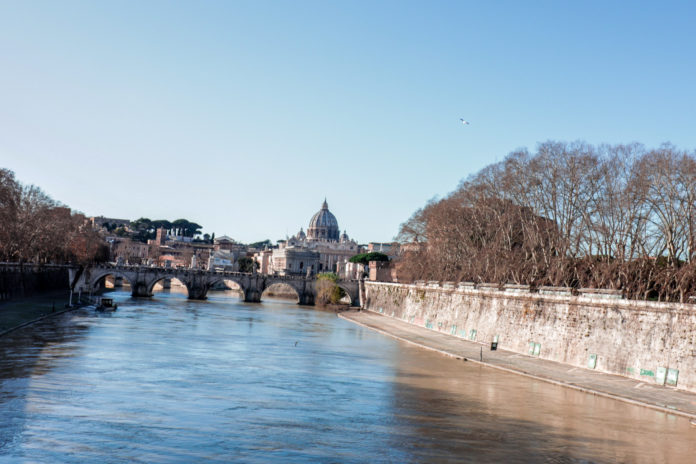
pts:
pixel 649 342
pixel 28 280
pixel 22 311
pixel 665 399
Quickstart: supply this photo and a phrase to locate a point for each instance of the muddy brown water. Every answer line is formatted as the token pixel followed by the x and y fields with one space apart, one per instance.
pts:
pixel 171 380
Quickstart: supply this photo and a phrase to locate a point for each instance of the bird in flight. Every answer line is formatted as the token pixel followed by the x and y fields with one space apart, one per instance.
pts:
pixel 466 123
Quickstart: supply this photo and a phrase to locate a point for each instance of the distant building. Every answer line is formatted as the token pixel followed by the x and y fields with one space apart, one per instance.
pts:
pixel 264 261
pixel 223 242
pixel 352 271
pixel 128 251
pixel 170 256
pixel 202 252
pixel 229 244
pixel 161 237
pixel 382 271
pixel 390 249
pixel 295 260
pixel 223 260
pixel 178 251
pixel 321 249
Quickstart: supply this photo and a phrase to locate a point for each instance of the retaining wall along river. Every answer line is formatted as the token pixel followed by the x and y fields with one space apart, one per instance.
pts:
pixel 17 281
pixel 654 342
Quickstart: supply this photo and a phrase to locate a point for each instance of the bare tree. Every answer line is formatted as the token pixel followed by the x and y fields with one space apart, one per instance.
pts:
pixel 570 214
pixel 35 228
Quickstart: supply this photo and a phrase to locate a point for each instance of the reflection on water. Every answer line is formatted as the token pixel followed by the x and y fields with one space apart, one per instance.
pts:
pixel 172 380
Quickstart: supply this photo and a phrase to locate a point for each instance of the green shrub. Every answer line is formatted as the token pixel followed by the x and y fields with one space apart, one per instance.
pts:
pixel 327 290
pixel 364 258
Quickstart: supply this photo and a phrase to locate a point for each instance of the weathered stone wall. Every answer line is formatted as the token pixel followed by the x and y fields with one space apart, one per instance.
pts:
pixel 654 342
pixel 20 281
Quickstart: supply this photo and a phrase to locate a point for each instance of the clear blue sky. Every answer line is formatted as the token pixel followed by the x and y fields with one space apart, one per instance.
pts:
pixel 243 116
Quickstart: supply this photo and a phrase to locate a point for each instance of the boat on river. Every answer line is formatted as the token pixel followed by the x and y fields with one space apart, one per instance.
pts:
pixel 106 304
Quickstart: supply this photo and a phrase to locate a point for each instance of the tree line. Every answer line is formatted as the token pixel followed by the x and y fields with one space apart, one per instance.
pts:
pixel 145 229
pixel 569 214
pixel 35 228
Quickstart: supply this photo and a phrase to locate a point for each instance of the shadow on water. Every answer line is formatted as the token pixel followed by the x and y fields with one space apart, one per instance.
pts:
pixel 31 352
pixel 23 359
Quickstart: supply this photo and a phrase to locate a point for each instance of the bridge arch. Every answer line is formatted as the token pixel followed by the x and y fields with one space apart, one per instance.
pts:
pixel 95 282
pixel 303 288
pixel 226 280
pixel 282 290
pixel 163 279
pixel 229 283
pixel 349 293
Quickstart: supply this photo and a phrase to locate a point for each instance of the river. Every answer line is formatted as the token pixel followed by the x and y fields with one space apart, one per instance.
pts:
pixel 172 380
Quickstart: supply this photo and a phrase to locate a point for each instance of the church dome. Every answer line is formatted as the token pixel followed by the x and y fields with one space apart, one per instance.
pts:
pixel 323 225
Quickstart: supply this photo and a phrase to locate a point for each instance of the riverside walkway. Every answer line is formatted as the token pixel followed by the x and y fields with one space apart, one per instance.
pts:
pixel 666 399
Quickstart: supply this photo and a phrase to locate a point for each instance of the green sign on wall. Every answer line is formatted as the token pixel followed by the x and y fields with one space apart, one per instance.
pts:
pixel 661 375
pixel 592 362
pixel 537 349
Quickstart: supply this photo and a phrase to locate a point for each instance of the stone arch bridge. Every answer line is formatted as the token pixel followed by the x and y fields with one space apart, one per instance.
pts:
pixel 143 279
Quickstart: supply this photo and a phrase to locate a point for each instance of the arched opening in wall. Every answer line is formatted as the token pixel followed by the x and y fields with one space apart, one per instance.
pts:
pixel 346 299
pixel 112 282
pixel 280 291
pixel 169 285
pixel 226 288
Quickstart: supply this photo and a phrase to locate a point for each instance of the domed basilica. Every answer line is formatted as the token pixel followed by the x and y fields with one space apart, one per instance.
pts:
pixel 322 226
pixel 321 249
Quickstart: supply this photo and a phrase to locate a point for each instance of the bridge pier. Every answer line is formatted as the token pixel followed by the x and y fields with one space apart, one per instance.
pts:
pixel 306 299
pixel 197 285
pixel 140 289
pixel 252 295
pixel 197 292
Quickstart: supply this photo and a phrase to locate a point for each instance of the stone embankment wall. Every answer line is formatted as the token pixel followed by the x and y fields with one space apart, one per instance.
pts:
pixel 654 342
pixel 20 281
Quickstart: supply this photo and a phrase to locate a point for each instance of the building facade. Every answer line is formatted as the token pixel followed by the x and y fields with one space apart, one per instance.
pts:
pixel 127 251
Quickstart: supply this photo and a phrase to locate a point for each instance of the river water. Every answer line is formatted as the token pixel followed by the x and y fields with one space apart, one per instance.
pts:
pixel 172 380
